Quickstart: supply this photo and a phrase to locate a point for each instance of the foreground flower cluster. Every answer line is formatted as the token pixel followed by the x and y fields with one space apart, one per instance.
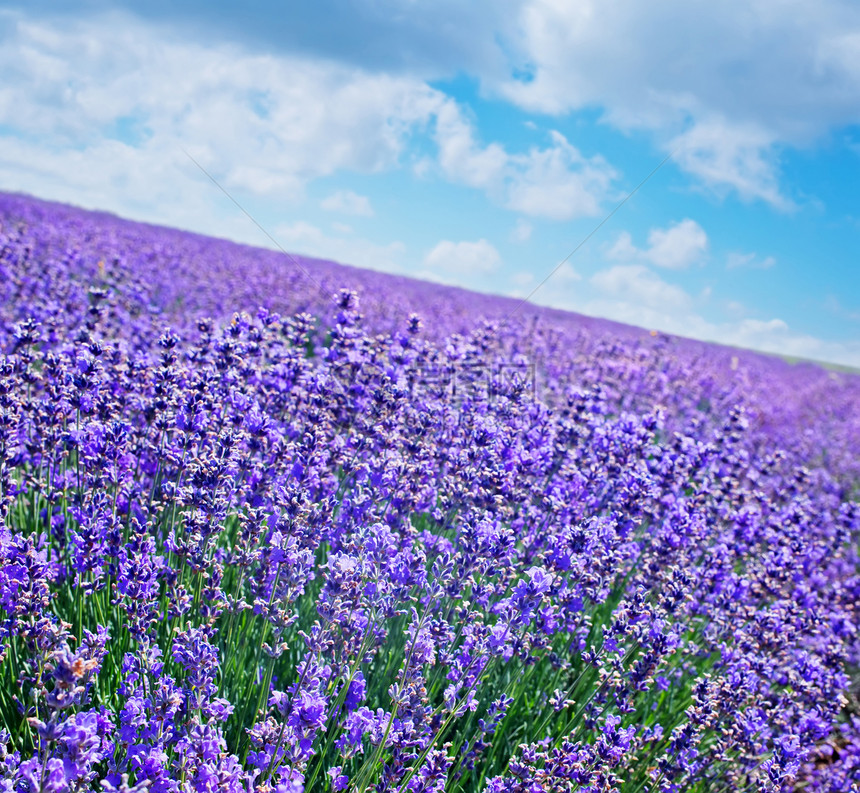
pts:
pixel 253 540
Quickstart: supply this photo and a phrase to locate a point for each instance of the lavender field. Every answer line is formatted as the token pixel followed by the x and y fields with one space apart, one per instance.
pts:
pixel 269 532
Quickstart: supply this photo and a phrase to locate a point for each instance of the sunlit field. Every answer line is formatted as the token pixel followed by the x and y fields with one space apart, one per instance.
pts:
pixel 278 525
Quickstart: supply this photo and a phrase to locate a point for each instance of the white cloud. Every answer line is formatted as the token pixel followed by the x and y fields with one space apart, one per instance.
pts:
pixel 305 238
pixel 556 182
pixel 523 278
pixel 637 285
pixel 790 66
pixel 154 183
pixel 565 274
pixel 548 282
pixel 459 155
pixel 347 203
pixel 736 259
pixel 731 156
pixel 422 166
pixel 675 247
pixel 839 55
pixel 730 79
pixel 463 258
pixel 755 327
pixel 678 246
pixel 634 295
pixel 623 248
pixel 77 90
pixel 522 232
pixel 776 336
pixel 254 119
pixel 95 111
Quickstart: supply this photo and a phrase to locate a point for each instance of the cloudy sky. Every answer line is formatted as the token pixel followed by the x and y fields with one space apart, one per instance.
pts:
pixel 477 143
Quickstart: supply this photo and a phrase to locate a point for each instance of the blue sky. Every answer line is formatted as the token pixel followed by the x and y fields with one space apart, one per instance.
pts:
pixel 477 143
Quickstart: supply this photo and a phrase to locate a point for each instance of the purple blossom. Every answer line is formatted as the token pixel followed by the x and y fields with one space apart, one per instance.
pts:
pixel 258 536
